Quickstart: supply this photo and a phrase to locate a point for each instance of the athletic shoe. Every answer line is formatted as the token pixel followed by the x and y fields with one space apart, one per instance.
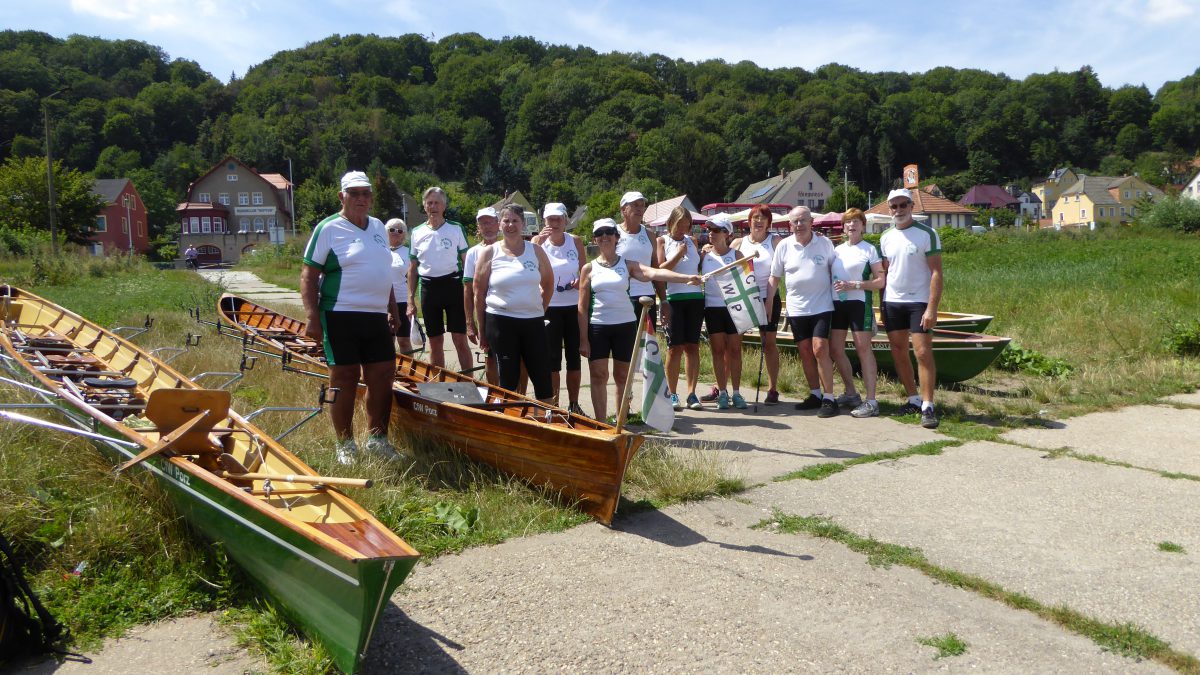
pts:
pixel 811 403
pixel 380 445
pixel 929 418
pixel 738 401
pixel 711 395
pixel 867 409
pixel 346 451
pixel 574 408
pixel 849 400
pixel 829 408
pixel 772 397
pixel 909 408
pixel 694 403
pixel 723 401
pixel 675 402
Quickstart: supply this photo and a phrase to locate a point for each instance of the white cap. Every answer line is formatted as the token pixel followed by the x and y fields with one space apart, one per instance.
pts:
pixel 900 192
pixel 355 179
pixel 398 224
pixel 486 211
pixel 554 209
pixel 602 223
pixel 720 221
pixel 631 196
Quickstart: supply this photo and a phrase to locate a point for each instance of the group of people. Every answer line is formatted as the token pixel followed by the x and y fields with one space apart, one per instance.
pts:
pixel 531 305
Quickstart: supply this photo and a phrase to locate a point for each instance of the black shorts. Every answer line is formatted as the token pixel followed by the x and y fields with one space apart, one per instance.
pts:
pixel 772 325
pixel 562 334
pixel 614 340
pixel 852 315
pixel 520 341
pixel 443 295
pixel 652 310
pixel 810 326
pixel 405 327
pixel 353 338
pixel 686 318
pixel 904 316
pixel 718 320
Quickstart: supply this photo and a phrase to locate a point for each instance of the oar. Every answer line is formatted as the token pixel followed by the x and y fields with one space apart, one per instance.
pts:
pixel 726 268
pixel 25 419
pixel 165 442
pixel 298 478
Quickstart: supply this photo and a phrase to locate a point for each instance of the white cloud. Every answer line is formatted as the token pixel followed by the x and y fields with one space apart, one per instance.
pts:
pixel 1162 11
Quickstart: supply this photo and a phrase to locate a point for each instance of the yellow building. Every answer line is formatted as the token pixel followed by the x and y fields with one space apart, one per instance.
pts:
pixel 1054 185
pixel 1102 200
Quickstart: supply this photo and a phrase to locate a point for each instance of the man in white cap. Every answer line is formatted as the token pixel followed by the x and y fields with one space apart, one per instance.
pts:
pixel 487 221
pixel 436 248
pixel 636 244
pixel 351 309
pixel 912 258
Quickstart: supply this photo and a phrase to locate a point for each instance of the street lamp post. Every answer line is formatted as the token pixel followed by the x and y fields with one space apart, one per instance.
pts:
pixel 128 224
pixel 50 170
pixel 291 196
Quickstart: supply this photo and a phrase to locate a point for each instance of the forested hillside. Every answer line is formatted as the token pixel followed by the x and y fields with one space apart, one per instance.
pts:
pixel 566 123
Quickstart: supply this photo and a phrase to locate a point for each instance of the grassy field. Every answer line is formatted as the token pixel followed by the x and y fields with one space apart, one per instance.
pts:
pixel 1104 304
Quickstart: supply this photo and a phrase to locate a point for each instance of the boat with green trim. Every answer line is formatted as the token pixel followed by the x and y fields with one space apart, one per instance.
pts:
pixel 959 356
pixel 327 562
pixel 959 321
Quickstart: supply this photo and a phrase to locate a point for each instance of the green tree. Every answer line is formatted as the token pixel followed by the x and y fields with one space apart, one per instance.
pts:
pixel 1175 213
pixel 24 190
pixel 842 193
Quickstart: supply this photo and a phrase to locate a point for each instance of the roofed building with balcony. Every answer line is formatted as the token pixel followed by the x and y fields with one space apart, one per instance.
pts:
pixel 232 209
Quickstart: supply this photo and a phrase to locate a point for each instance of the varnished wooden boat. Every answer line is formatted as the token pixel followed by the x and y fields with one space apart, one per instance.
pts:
pixel 577 457
pixel 328 563
pixel 959 321
pixel 958 356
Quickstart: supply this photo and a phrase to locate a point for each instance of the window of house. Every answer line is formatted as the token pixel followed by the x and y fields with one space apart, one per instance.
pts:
pixel 1122 211
pixel 1082 214
pixel 218 224
pixel 1127 194
pixel 223 198
pixel 195 225
pixel 206 225
pixel 271 222
pixel 244 225
pixel 141 229
pixel 259 225
pixel 243 199
pixel 231 177
pixel 204 198
pixel 101 223
pixel 257 199
pixel 810 186
pixel 1138 194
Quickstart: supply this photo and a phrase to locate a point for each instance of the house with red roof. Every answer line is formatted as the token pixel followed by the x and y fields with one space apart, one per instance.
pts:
pixel 121 224
pixel 938 211
pixel 990 197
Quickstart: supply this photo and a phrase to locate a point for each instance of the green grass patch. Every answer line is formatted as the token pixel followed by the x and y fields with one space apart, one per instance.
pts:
pixel 1126 639
pixel 1098 459
pixel 827 469
pixel 1170 547
pixel 660 475
pixel 947 645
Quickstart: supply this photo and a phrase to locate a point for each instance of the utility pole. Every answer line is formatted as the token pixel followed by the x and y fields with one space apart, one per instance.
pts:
pixel 129 224
pixel 845 189
pixel 291 196
pixel 50 169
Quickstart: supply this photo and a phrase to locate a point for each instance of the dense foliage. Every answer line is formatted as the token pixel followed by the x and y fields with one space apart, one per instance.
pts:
pixel 565 123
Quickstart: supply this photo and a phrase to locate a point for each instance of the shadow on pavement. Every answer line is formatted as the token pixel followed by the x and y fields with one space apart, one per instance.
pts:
pixel 403 645
pixel 658 526
pixel 742 446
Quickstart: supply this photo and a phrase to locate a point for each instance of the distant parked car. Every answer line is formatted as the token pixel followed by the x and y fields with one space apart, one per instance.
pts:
pixel 979 229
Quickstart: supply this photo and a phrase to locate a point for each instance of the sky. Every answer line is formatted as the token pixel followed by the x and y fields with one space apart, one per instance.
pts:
pixel 1125 41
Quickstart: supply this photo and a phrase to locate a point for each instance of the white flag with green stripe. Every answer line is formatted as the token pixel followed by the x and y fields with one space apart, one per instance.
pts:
pixel 740 290
pixel 657 410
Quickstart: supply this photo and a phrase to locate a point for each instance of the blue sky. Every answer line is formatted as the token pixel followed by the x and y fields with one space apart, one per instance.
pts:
pixel 1126 41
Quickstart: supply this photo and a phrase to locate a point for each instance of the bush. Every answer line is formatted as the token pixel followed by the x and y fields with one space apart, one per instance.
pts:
pixel 1015 358
pixel 1175 213
pixel 1183 338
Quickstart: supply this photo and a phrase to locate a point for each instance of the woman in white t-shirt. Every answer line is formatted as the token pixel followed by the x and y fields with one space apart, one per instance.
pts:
pixel 857 270
pixel 397 231
pixel 567 257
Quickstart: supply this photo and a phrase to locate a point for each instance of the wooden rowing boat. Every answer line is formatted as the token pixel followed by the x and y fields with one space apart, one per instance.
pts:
pixel 579 458
pixel 959 321
pixel 959 356
pixel 331 566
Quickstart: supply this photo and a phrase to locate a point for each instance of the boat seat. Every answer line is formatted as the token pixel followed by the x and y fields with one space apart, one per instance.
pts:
pixel 171 408
pixel 115 383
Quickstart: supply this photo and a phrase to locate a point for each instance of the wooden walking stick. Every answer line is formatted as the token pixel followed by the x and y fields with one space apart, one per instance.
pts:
pixel 623 404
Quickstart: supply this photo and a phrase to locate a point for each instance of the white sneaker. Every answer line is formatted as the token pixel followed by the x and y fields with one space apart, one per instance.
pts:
pixel 867 409
pixel 675 402
pixel 380 445
pixel 346 451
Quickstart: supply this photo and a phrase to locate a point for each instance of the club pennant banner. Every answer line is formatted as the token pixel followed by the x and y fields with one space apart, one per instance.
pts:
pixel 740 290
pixel 657 410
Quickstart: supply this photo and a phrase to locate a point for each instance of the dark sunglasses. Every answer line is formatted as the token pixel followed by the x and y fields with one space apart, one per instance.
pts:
pixel 903 205
pixel 605 232
pixel 395 230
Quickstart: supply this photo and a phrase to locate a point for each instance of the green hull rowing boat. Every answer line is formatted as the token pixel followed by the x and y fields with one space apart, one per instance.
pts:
pixel 329 564
pixel 966 323
pixel 959 356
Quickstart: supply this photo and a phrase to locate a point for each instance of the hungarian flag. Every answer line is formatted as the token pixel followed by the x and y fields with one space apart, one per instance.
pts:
pixel 657 410
pixel 740 290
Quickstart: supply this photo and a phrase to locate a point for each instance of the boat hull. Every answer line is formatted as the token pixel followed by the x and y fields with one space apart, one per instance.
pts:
pixel 959 321
pixel 958 356
pixel 332 575
pixel 581 460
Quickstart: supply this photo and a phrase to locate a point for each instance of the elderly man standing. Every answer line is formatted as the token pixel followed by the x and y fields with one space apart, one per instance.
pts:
pixel 637 244
pixel 912 258
pixel 350 306
pixel 487 222
pixel 805 261
pixel 436 248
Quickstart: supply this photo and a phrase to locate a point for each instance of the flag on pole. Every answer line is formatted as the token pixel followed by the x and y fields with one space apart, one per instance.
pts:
pixel 740 290
pixel 657 410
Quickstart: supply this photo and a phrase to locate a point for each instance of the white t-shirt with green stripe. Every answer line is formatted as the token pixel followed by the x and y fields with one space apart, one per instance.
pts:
pixel 355 265
pixel 906 251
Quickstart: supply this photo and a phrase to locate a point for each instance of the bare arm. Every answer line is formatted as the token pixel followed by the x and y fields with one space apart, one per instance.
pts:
pixel 310 280
pixel 643 273
pixel 547 274
pixel 661 251
pixel 412 288
pixel 585 302
pixel 483 276
pixel 929 318
pixel 469 309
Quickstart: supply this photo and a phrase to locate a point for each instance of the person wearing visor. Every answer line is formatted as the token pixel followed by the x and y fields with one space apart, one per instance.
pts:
pixel 567 257
pixel 351 310
pixel 607 321
pixel 397 232
pixel 487 222
pixel 912 260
